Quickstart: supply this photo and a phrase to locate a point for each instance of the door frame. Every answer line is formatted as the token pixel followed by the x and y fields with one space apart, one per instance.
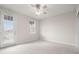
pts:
pixel 6 12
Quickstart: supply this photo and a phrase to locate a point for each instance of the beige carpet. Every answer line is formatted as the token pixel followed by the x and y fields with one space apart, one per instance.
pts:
pixel 40 47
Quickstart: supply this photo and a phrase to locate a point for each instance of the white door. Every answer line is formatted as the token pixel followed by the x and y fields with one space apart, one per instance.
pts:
pixel 8 31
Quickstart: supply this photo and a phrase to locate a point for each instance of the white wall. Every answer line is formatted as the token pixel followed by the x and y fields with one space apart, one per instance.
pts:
pixel 77 27
pixel 23 34
pixel 60 28
pixel 77 31
pixel 21 27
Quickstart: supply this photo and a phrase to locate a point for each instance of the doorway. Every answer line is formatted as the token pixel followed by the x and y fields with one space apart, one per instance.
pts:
pixel 7 31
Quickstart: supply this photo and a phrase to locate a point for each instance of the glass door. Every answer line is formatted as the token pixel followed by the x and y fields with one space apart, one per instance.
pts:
pixel 8 31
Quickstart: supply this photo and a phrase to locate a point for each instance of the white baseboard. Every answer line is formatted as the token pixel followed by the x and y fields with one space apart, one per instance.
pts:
pixel 63 43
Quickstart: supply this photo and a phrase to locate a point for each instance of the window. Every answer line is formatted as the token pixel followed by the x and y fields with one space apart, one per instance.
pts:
pixel 8 30
pixel 8 23
pixel 32 26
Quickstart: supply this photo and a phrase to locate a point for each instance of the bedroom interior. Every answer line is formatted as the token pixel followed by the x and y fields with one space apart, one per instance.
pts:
pixel 39 28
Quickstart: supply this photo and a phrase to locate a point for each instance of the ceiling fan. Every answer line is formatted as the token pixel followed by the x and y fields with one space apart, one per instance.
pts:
pixel 39 8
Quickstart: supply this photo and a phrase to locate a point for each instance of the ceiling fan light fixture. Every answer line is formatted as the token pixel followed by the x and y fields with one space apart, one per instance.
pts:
pixel 40 9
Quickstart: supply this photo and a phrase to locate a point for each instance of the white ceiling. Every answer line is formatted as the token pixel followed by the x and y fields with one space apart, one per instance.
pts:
pixel 53 9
